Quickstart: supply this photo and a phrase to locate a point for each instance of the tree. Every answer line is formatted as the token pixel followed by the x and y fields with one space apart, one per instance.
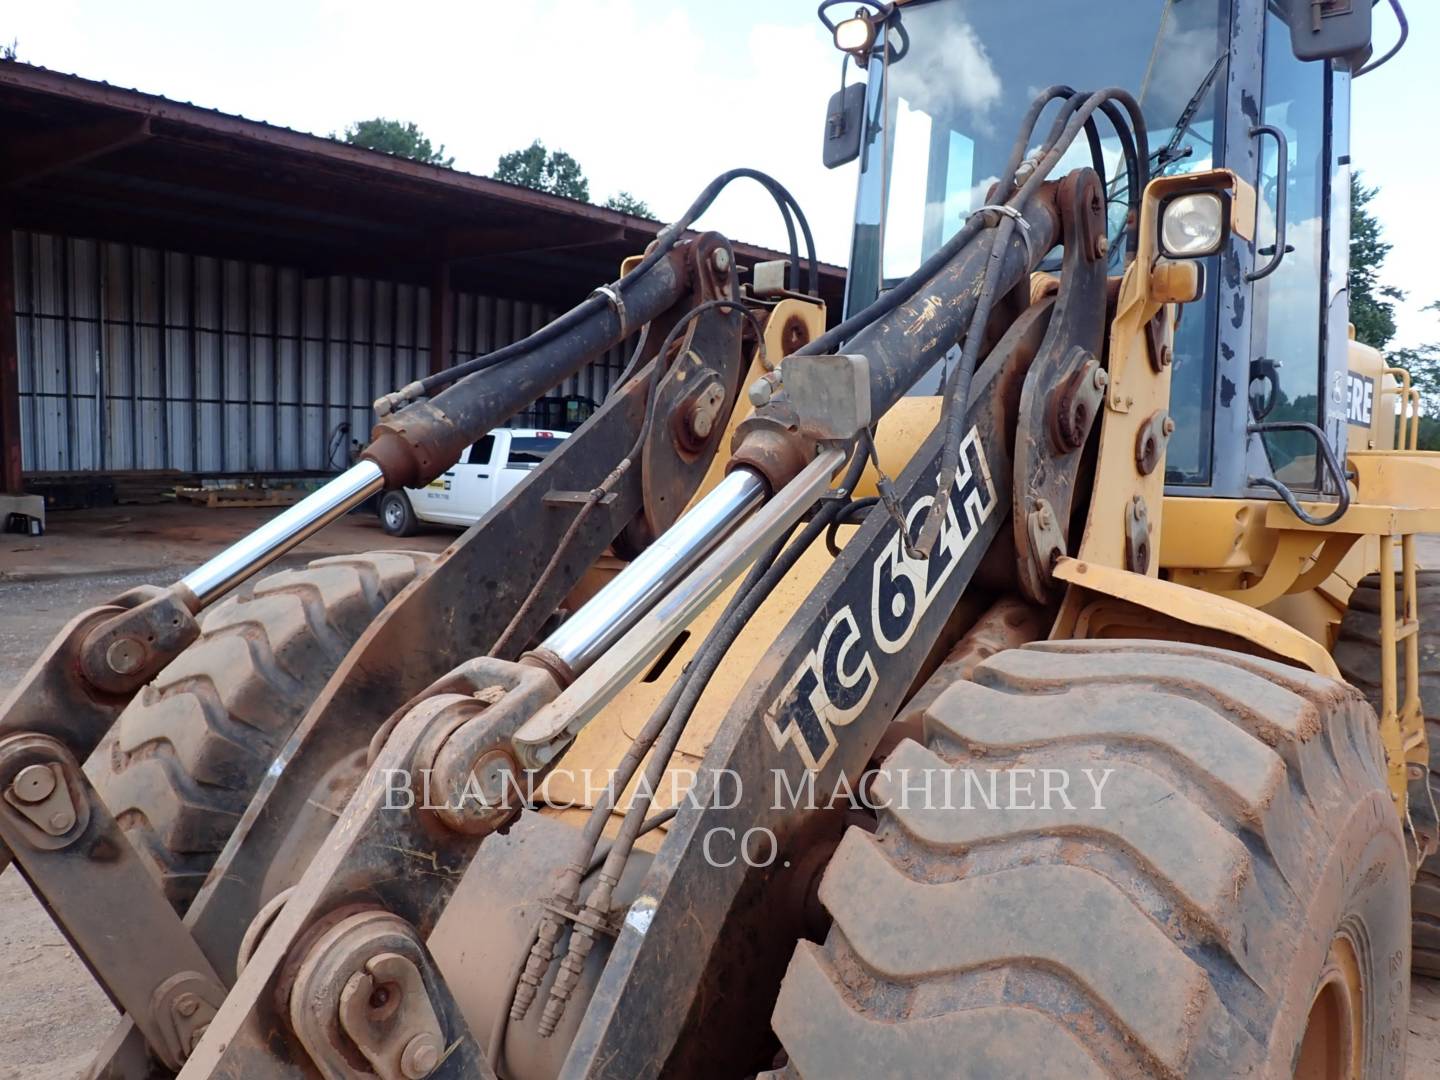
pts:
pixel 1372 305
pixel 394 137
pixel 1423 363
pixel 11 51
pixel 553 171
pixel 629 204
pixel 1372 309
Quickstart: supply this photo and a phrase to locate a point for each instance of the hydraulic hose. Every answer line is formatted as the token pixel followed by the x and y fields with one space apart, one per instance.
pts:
pixel 958 397
pixel 596 302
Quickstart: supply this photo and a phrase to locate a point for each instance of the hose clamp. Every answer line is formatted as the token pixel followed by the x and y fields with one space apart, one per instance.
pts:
pixel 1018 218
pixel 617 304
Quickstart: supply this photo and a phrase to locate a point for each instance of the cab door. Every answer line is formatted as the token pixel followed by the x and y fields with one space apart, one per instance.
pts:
pixel 474 478
pixel 525 451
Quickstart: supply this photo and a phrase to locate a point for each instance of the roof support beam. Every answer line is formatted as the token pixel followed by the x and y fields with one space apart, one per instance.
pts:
pixel 482 243
pixel 442 317
pixel 10 480
pixel 30 157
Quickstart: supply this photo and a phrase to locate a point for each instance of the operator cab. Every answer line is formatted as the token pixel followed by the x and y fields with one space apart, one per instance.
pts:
pixel 1220 85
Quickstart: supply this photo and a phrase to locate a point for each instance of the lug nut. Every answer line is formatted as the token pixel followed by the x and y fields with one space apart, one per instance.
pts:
pixel 421 1055
pixel 33 784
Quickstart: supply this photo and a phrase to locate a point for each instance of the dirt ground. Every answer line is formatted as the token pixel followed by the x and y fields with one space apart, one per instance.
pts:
pixel 52 1014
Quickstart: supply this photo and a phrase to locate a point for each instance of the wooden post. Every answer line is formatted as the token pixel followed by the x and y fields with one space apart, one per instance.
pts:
pixel 10 483
pixel 442 317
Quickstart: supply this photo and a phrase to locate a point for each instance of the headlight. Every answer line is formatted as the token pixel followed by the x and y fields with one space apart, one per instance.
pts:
pixel 855 36
pixel 1193 226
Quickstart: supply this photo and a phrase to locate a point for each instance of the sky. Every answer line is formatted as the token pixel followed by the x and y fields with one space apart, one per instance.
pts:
pixel 650 96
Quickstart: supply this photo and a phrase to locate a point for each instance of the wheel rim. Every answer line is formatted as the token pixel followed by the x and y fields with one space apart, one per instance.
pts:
pixel 1333 1042
pixel 394 514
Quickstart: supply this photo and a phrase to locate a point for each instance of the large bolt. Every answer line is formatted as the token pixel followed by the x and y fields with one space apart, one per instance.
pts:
pixel 1100 380
pixel 33 784
pixel 187 1004
pixel 494 772
pixel 421 1055
pixel 720 259
pixel 125 656
pixel 706 410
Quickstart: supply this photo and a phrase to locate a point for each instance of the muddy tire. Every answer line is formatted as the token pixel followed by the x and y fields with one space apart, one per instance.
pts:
pixel 1357 653
pixel 182 762
pixel 1245 865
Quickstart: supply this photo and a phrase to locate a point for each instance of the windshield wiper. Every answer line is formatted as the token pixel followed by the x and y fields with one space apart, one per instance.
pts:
pixel 1171 151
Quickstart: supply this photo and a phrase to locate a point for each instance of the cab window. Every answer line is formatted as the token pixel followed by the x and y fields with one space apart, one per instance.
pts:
pixel 482 451
pixel 1286 329
pixel 526 453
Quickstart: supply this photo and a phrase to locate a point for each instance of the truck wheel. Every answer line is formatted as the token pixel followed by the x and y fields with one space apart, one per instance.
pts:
pixel 182 762
pixel 1233 903
pixel 397 516
pixel 1357 653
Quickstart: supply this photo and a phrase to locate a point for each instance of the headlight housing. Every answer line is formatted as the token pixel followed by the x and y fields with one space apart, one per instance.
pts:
pixel 1193 225
pixel 855 35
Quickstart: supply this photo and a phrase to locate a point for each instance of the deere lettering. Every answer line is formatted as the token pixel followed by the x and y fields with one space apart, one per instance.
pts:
pixel 1362 400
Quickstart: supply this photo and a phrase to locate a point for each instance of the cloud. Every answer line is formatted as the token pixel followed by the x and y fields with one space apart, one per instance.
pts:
pixel 952 74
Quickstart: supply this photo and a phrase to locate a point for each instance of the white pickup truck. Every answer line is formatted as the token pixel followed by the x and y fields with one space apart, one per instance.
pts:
pixel 480 479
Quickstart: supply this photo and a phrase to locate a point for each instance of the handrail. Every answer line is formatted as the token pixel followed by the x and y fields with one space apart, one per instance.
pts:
pixel 1407 436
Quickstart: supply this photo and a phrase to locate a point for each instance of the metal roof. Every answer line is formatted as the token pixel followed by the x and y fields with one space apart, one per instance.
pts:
pixel 85 158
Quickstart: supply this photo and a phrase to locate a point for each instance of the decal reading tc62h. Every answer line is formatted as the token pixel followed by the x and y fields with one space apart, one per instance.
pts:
pixel 836 679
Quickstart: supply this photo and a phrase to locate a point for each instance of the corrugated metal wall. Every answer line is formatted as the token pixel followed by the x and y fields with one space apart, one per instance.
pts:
pixel 133 358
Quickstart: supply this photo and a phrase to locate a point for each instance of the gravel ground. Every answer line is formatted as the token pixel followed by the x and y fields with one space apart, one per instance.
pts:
pixel 52 1013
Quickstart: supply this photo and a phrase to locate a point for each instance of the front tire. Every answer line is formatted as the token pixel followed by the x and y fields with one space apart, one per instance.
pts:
pixel 397 516
pixel 186 756
pixel 1236 907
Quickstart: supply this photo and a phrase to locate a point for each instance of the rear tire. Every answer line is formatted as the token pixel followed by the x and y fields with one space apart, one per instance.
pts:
pixel 397 516
pixel 186 756
pixel 1246 864
pixel 1357 653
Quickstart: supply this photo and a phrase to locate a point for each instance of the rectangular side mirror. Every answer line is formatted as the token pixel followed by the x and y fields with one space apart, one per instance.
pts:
pixel 1330 29
pixel 844 122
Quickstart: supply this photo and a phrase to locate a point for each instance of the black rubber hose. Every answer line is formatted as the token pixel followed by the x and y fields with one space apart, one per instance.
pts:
pixel 958 397
pixel 890 300
pixel 664 242
pixel 741 609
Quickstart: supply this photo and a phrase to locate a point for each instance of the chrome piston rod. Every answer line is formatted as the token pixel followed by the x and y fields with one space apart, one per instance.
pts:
pixel 601 621
pixel 545 734
pixel 267 543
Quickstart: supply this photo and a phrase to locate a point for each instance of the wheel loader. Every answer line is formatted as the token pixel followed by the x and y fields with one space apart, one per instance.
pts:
pixel 1022 672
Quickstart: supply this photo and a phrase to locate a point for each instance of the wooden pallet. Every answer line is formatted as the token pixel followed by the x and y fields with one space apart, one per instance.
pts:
pixel 240 497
